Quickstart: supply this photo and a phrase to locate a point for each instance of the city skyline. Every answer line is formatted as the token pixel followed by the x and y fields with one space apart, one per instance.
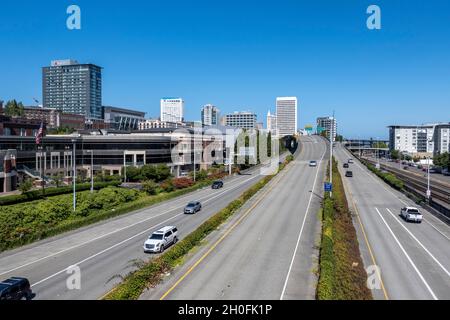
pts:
pixel 386 76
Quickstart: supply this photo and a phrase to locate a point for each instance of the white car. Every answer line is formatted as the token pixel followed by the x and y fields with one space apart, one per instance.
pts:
pixel 161 239
pixel 313 163
pixel 411 214
pixel 350 161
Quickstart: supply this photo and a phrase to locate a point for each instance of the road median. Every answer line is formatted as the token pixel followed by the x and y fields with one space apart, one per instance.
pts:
pixel 342 274
pixel 153 271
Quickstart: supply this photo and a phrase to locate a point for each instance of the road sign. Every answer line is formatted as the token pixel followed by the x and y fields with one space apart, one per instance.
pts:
pixel 328 187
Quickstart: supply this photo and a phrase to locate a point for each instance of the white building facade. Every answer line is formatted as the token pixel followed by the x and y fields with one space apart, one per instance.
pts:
pixel 286 116
pixel 210 115
pixel 172 110
pixel 329 124
pixel 242 120
pixel 272 123
pixel 415 140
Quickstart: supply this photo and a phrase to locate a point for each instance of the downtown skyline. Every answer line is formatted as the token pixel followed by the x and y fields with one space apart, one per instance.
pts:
pixel 247 58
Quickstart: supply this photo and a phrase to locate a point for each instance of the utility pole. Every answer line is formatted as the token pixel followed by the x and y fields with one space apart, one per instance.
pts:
pixel 92 171
pixel 428 180
pixel 331 153
pixel 74 175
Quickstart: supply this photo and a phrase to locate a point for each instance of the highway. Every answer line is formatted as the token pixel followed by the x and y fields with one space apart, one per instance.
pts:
pixel 414 259
pixel 269 249
pixel 109 249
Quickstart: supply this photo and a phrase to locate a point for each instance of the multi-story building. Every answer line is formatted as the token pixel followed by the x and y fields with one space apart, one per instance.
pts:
pixel 442 138
pixel 8 173
pixel 415 140
pixel 242 120
pixel 172 110
pixel 328 125
pixel 73 88
pixel 286 116
pixel 121 118
pixel 272 123
pixel 18 127
pixel 210 115
pixel 54 118
pixel 158 124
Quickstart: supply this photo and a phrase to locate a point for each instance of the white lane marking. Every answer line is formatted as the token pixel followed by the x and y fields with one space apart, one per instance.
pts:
pixel 408 257
pixel 124 241
pixel 105 250
pixel 420 243
pixel 117 230
pixel 403 202
pixel 301 229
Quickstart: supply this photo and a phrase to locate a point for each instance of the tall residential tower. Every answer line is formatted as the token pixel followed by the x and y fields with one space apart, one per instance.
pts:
pixel 73 88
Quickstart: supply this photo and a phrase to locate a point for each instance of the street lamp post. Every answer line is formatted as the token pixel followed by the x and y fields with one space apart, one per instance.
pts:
pixel 428 179
pixel 74 176
pixel 92 170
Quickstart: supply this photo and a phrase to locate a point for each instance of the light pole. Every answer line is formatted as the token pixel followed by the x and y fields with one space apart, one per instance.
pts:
pixel 331 153
pixel 428 179
pixel 125 166
pixel 92 170
pixel 74 176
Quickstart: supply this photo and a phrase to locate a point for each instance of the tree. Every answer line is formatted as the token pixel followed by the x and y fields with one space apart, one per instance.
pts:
pixel 58 179
pixel 395 154
pixel 14 109
pixel 442 160
pixel 339 138
pixel 380 145
pixel 25 186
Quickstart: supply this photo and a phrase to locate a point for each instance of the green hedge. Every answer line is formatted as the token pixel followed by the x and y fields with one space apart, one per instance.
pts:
pixel 389 178
pixel 37 194
pixel 339 279
pixel 25 223
pixel 151 273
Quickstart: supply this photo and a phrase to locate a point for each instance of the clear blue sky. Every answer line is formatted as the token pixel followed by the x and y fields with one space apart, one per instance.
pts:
pixel 241 55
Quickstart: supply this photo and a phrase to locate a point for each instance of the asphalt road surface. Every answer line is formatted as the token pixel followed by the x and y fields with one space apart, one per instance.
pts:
pixel 413 259
pixel 268 250
pixel 107 250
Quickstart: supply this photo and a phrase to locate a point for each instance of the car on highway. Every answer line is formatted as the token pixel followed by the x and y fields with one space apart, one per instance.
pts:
pixel 161 239
pixel 411 214
pixel 349 174
pixel 193 207
pixel 217 184
pixel 445 172
pixel 350 161
pixel 15 288
pixel 346 165
pixel 313 163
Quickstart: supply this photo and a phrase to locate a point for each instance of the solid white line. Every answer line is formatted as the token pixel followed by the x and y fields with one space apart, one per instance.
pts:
pixel 408 257
pixel 124 241
pixel 301 229
pixel 420 243
pixel 118 230
pixel 403 202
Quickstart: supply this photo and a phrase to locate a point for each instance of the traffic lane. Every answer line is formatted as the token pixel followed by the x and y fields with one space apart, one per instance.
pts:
pixel 126 248
pixel 431 258
pixel 439 225
pixel 253 262
pixel 301 269
pixel 80 238
pixel 66 242
pixel 401 279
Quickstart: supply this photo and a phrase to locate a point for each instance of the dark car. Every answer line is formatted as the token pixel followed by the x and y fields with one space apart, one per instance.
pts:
pixel 349 174
pixel 217 184
pixel 193 207
pixel 15 288
pixel 346 165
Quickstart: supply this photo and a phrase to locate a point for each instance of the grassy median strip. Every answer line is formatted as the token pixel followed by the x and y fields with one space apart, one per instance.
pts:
pixel 342 274
pixel 152 272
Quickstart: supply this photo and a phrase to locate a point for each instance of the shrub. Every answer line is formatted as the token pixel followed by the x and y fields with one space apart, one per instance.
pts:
pixel 25 186
pixel 181 183
pixel 150 187
pixel 167 186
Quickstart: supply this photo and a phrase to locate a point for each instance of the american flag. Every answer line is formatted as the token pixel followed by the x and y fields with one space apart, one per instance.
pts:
pixel 40 134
